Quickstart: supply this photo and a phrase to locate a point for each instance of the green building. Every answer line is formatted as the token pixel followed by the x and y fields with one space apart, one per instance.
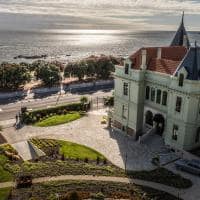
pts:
pixel 157 89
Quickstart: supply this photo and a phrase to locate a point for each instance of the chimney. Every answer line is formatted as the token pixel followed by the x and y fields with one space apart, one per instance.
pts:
pixel 159 53
pixel 144 59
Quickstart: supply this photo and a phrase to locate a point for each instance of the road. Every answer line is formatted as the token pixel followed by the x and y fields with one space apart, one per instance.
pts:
pixel 8 111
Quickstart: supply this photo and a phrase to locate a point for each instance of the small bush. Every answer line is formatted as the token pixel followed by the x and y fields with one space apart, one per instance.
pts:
pixel 98 160
pixel 74 196
pixel 99 196
pixel 63 157
pixel 109 101
pixel 83 100
pixel 86 160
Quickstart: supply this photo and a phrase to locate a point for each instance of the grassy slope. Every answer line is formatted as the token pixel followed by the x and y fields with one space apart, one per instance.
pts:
pixel 73 150
pixel 4 175
pixel 4 193
pixel 59 119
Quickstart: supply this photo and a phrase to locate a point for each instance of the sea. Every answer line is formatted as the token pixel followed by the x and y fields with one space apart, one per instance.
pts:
pixel 70 45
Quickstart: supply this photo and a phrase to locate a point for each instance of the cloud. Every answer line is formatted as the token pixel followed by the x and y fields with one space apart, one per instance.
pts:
pixel 126 13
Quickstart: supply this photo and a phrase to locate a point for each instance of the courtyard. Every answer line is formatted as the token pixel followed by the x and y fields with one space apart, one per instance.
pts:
pixel 117 147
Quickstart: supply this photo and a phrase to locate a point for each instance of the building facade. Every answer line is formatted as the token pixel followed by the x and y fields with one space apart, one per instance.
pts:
pixel 158 89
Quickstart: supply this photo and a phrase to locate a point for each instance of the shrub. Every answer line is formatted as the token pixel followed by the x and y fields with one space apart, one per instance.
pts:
pixel 74 196
pixel 84 100
pixel 99 196
pixel 109 101
pixel 98 160
pixel 86 160
pixel 63 157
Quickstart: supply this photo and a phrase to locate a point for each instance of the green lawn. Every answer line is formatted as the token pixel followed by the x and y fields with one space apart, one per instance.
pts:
pixel 4 175
pixel 59 119
pixel 73 150
pixel 4 193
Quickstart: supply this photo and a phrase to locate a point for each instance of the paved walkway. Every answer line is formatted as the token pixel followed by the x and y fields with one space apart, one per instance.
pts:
pixel 117 147
pixel 157 186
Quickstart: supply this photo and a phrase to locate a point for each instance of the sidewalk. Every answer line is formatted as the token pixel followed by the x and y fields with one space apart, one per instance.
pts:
pixel 7 123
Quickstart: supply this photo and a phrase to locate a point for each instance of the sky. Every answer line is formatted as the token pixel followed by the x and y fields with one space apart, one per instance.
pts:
pixel 98 14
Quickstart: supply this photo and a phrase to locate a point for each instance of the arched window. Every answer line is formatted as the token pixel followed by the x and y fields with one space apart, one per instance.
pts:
pixel 197 138
pixel 181 78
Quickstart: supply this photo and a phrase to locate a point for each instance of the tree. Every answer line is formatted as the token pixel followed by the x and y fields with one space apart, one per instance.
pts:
pixel 80 70
pixel 84 100
pixel 104 67
pixel 13 75
pixel 48 73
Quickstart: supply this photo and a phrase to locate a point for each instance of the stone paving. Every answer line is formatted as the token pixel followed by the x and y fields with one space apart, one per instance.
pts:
pixel 121 150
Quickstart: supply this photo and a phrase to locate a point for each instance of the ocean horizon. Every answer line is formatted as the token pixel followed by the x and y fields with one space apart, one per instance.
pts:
pixel 68 45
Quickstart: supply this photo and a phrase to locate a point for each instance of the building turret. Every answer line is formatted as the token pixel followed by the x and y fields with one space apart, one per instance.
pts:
pixel 191 63
pixel 181 36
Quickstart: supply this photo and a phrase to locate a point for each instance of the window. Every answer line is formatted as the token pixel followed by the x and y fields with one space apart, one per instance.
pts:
pixel 175 132
pixel 147 92
pixel 164 98
pixel 158 96
pixel 181 78
pixel 126 68
pixel 178 104
pixel 124 111
pixel 153 93
pixel 197 138
pixel 126 89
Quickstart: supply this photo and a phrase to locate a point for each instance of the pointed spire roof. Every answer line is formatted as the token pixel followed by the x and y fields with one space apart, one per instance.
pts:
pixel 191 63
pixel 181 36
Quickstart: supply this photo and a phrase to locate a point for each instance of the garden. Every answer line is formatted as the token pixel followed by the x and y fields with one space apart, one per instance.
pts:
pixel 67 158
pixel 77 190
pixel 62 158
pixel 55 115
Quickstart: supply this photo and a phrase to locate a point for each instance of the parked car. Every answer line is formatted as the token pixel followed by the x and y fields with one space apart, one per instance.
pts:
pixel 191 166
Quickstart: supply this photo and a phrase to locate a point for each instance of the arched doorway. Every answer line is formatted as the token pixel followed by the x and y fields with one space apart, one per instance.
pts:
pixel 159 123
pixel 149 118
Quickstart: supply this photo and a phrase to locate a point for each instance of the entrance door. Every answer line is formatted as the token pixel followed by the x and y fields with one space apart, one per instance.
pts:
pixel 159 123
pixel 149 118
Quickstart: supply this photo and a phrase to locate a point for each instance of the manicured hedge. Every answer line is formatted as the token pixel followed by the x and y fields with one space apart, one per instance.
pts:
pixel 31 117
